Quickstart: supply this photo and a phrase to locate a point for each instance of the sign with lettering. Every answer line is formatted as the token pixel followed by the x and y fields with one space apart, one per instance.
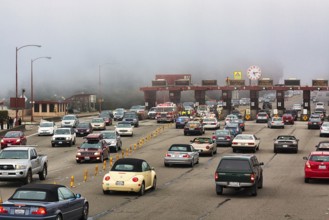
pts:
pixel 236 82
pixel 319 82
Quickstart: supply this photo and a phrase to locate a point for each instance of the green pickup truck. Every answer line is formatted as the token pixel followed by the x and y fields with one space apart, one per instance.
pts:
pixel 239 171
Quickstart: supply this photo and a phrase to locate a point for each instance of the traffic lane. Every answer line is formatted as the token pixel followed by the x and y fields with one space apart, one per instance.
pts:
pixel 61 160
pixel 270 187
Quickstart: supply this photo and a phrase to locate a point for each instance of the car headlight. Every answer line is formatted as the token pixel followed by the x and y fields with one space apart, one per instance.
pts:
pixel 79 154
pixel 97 153
pixel 18 140
pixel 20 167
pixel 68 138
pixel 2 141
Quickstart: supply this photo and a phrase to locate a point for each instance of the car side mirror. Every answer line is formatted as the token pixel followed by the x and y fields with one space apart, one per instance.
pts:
pixel 78 147
pixel 191 141
pixel 152 168
pixel 78 195
pixel 33 157
pixel 261 163
pixel 305 158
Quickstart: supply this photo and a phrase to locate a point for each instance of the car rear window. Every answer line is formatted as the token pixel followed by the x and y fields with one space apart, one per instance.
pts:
pixel 180 148
pixel 233 166
pixel 319 158
pixel 124 167
pixel 29 195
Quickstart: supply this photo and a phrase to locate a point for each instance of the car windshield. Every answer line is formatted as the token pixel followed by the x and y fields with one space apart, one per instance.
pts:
pixel 108 135
pixel 123 125
pixel 222 132
pixel 14 154
pixel 12 134
pixel 46 124
pixel 83 125
pixel 319 158
pixel 30 195
pixel 95 145
pixel 62 131
pixel 325 124
pixel 124 167
pixel 324 145
pixel 233 165
pixel 243 137
pixel 180 148
pixel 97 120
pixel 286 138
pixel 277 119
pixel 69 117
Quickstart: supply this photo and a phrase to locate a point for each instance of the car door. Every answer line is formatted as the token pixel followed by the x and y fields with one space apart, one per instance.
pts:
pixel 195 154
pixel 35 161
pixel 146 169
pixel 72 206
pixel 257 141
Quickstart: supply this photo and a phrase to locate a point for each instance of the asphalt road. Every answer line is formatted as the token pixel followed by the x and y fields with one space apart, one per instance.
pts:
pixel 189 193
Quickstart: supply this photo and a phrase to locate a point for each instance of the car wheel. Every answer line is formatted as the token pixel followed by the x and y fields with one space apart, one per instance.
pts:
pixel 185 133
pixel 260 182
pixel 215 151
pixel 142 189
pixel 59 217
pixel 70 144
pixel 234 150
pixel 78 161
pixel 219 190
pixel 296 151
pixel 74 141
pixel 85 212
pixel 254 189
pixel 43 173
pixel 254 150
pixel 154 186
pixel 116 149
pixel 53 145
pixel 28 178
pixel 192 163
pixel 197 162
pixel 320 135
pixel 307 180
pixel 275 150
pixel 211 153
pixel 106 192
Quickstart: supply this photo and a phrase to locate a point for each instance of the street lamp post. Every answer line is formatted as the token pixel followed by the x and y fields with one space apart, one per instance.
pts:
pixel 16 96
pixel 32 97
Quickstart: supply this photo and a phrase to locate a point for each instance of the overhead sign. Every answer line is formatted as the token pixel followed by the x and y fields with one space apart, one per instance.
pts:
pixel 265 82
pixel 292 82
pixel 237 75
pixel 209 82
pixel 235 82
pixel 319 82
pixel 182 82
pixel 160 82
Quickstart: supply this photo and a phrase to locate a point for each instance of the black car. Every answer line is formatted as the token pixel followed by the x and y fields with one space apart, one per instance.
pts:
pixel 314 121
pixel 322 146
pixel 193 127
pixel 237 113
pixel 239 171
pixel 286 143
pixel 83 129
pixel 181 121
pixel 45 201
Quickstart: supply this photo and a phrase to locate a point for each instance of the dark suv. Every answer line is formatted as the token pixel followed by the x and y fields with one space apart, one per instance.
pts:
pixel 239 171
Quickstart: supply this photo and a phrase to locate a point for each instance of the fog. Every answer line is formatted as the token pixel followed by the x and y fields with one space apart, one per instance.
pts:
pixel 127 42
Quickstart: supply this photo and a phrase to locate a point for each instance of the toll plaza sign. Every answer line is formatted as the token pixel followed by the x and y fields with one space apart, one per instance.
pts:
pixel 237 75
pixel 265 82
pixel 292 82
pixel 234 82
pixel 319 82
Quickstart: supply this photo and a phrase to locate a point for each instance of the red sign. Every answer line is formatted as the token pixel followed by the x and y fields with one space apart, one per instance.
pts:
pixel 17 103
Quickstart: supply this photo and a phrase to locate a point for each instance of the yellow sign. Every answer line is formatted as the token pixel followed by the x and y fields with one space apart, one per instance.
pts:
pixel 237 75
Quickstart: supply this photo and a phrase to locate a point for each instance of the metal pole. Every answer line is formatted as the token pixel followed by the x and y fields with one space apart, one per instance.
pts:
pixel 32 98
pixel 100 89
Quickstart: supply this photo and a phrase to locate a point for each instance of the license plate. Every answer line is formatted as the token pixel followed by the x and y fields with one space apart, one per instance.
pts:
pixel 287 120
pixel 234 184
pixel 191 129
pixel 284 145
pixel 87 158
pixel 321 167
pixel 60 142
pixel 221 138
pixel 19 211
pixel 4 173
pixel 119 183
pixel 81 132
pixel 315 123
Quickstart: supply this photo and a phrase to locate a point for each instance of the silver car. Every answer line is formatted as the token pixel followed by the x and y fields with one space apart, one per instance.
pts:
pixel 275 122
pixel 181 154
pixel 324 129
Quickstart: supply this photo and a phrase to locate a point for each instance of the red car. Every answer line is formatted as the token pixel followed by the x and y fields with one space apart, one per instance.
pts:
pixel 288 118
pixel 13 138
pixel 317 166
pixel 93 149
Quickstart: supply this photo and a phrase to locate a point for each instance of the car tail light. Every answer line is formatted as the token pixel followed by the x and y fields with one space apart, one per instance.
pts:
pixel 3 210
pixel 252 177
pixel 107 178
pixel 168 155
pixel 186 156
pixel 214 137
pixel 216 176
pixel 40 211
pixel 135 179
pixel 207 147
pixel 228 138
pixel 251 143
pixel 235 143
pixel 308 165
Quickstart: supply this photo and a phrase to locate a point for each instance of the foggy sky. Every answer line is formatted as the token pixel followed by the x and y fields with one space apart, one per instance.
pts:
pixel 133 40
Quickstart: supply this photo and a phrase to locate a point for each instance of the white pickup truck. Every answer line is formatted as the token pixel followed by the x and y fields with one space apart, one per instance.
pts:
pixel 63 136
pixel 21 163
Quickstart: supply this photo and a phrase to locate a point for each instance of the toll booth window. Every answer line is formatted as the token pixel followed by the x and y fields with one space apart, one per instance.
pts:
pixel 44 108
pixel 51 107
pixel 36 108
